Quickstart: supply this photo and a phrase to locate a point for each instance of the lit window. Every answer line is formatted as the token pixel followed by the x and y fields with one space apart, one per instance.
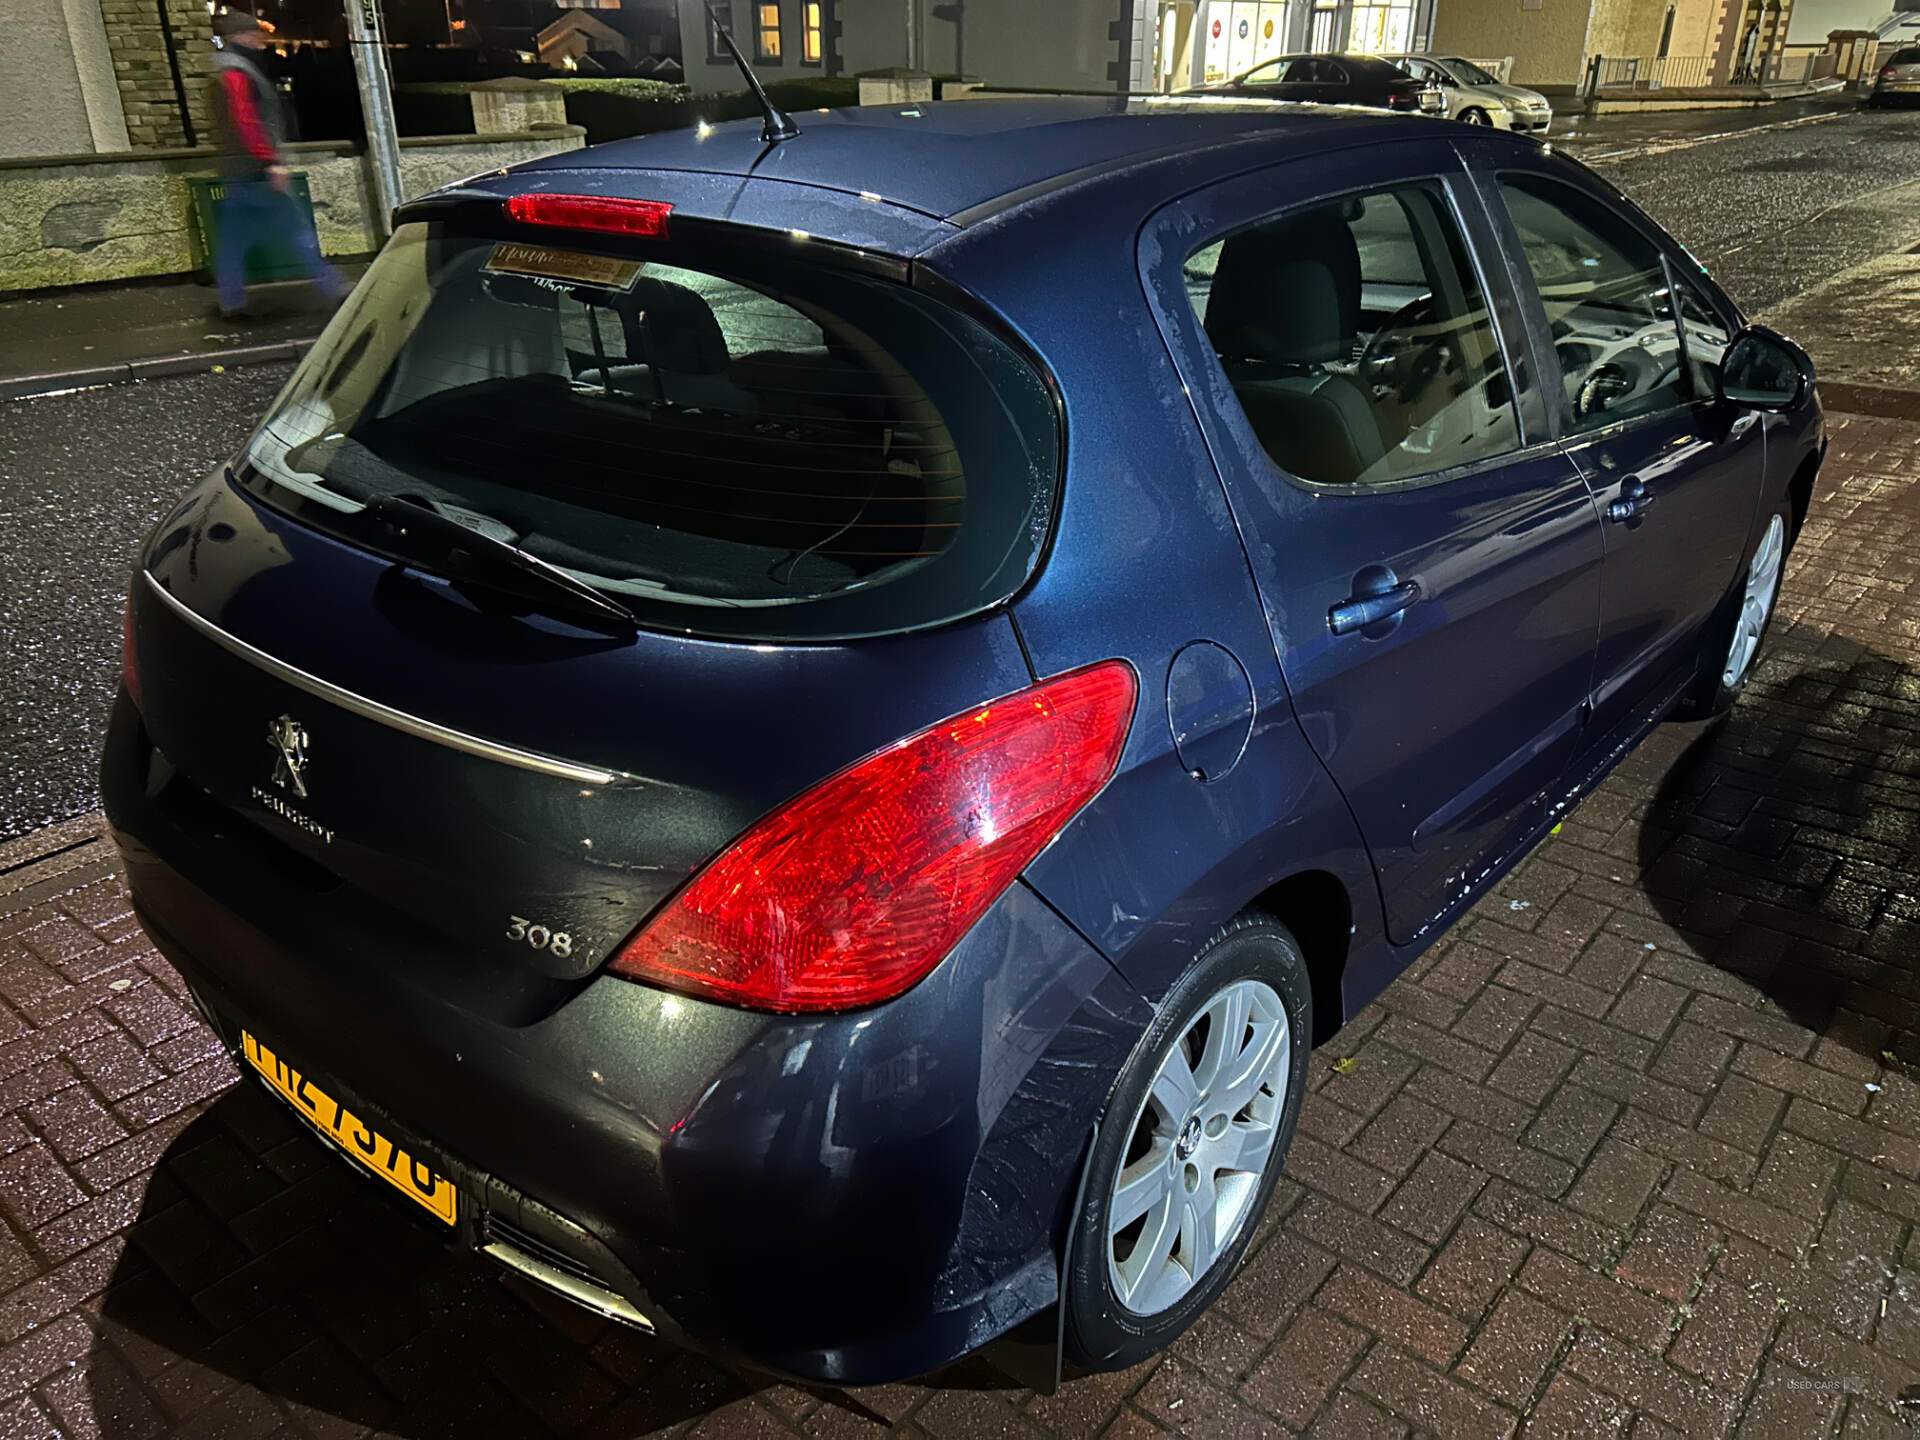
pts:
pixel 769 31
pixel 810 40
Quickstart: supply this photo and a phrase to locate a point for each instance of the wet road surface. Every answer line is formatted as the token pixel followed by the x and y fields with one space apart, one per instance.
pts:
pixel 1780 207
pixel 83 478
pixel 1801 193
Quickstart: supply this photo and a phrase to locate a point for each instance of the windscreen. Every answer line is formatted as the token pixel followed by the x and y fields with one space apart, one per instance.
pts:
pixel 768 449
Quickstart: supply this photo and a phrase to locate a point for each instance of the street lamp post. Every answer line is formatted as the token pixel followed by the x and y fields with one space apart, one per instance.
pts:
pixel 376 105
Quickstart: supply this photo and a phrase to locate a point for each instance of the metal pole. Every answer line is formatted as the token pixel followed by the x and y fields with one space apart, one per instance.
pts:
pixel 376 105
pixel 913 34
pixel 173 64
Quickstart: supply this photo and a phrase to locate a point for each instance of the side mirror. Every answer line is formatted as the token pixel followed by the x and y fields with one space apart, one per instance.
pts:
pixel 1763 370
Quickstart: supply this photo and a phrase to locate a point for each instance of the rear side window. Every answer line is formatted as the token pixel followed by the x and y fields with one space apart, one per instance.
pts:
pixel 764 450
pixel 1357 339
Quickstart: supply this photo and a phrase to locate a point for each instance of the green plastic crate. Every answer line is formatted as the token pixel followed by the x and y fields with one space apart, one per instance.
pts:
pixel 276 261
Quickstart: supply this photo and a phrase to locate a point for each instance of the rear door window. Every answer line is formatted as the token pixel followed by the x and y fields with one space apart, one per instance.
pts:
pixel 1357 339
pixel 759 450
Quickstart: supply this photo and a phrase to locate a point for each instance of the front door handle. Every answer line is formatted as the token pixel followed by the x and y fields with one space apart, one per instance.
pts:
pixel 1633 502
pixel 1378 598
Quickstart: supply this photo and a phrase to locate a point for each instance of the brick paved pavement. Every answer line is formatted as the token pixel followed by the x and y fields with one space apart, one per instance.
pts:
pixel 1637 1151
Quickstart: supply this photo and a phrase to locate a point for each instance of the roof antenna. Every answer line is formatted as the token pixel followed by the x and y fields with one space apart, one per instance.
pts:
pixel 778 125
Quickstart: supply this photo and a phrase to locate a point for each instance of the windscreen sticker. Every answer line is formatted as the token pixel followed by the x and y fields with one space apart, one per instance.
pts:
pixel 542 262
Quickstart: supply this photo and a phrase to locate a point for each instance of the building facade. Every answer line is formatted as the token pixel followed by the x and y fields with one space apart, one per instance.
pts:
pixel 1139 45
pixel 1061 44
pixel 81 77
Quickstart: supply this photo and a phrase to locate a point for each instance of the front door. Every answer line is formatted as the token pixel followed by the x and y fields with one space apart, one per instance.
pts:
pixel 1676 474
pixel 1429 558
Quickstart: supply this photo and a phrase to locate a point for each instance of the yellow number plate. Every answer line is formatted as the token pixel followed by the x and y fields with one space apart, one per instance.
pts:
pixel 430 1191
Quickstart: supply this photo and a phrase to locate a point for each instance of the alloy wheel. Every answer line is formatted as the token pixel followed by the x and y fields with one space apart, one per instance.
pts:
pixel 1200 1143
pixel 1763 587
pixel 1474 117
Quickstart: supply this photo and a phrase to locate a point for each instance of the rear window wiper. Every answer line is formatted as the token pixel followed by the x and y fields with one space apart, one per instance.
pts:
pixel 405 512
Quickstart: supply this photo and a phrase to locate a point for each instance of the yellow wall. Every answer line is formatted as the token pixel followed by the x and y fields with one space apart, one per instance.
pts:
pixel 1695 23
pixel 1546 44
pixel 1550 45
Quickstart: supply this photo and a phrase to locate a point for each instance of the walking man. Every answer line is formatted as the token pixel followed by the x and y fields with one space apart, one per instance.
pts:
pixel 257 206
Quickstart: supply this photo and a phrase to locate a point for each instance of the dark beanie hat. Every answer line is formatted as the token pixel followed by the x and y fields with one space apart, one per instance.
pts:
pixel 234 22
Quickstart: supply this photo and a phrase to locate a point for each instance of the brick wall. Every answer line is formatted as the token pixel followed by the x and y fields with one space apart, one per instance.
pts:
pixel 140 66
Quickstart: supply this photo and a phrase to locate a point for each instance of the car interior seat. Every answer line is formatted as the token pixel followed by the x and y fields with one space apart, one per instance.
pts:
pixel 1285 304
pixel 675 334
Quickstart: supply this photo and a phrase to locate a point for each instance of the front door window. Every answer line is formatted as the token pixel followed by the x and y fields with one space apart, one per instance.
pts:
pixel 1608 301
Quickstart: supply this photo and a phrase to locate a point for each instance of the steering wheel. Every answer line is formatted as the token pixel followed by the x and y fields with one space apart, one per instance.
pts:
pixel 1385 363
pixel 1627 373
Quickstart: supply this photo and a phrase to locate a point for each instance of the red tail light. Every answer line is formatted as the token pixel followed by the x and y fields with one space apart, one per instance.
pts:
pixel 1888 73
pixel 644 218
pixel 129 673
pixel 851 893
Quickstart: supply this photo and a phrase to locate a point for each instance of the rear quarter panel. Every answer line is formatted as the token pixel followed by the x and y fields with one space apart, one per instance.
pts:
pixel 1147 558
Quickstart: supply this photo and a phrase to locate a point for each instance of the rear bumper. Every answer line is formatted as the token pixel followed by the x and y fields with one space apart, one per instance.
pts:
pixel 841 1199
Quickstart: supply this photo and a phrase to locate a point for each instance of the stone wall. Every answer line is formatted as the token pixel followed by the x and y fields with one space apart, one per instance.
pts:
pixel 147 92
pixel 58 94
pixel 73 220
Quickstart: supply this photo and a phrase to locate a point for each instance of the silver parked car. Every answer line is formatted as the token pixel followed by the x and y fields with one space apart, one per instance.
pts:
pixel 1477 98
pixel 1898 82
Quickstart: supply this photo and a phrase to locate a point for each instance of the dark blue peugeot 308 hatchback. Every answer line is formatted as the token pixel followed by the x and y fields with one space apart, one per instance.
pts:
pixel 798 739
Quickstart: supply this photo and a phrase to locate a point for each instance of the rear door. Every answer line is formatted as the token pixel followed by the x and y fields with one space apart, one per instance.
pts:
pixel 1676 474
pixel 1429 557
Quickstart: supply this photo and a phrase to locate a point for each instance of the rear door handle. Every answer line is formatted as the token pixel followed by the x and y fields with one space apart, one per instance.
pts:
pixel 1378 595
pixel 1633 502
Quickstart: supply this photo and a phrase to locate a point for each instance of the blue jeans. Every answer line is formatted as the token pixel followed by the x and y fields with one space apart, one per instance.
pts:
pixel 253 213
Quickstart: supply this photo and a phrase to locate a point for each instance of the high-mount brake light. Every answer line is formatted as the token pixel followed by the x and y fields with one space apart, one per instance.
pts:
pixel 852 892
pixel 610 214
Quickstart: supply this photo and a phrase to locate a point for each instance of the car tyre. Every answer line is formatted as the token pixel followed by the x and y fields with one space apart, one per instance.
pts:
pixel 1475 117
pixel 1193 1107
pixel 1738 633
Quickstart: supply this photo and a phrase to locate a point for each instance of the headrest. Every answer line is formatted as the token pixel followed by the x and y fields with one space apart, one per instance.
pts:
pixel 1287 291
pixel 677 329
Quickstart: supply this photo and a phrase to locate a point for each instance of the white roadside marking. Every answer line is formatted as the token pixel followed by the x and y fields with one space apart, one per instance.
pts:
pixel 1634 152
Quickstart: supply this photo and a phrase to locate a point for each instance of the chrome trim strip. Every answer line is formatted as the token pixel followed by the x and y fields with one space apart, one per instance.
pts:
pixel 593 1297
pixel 383 714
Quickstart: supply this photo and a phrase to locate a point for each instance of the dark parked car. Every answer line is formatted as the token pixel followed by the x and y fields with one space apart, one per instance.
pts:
pixel 798 745
pixel 1336 80
pixel 1898 82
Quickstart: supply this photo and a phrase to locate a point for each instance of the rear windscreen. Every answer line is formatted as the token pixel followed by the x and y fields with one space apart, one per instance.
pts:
pixel 768 449
pixel 1905 57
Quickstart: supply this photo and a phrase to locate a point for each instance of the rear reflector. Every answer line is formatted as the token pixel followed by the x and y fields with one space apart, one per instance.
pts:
pixel 852 892
pixel 608 213
pixel 129 674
